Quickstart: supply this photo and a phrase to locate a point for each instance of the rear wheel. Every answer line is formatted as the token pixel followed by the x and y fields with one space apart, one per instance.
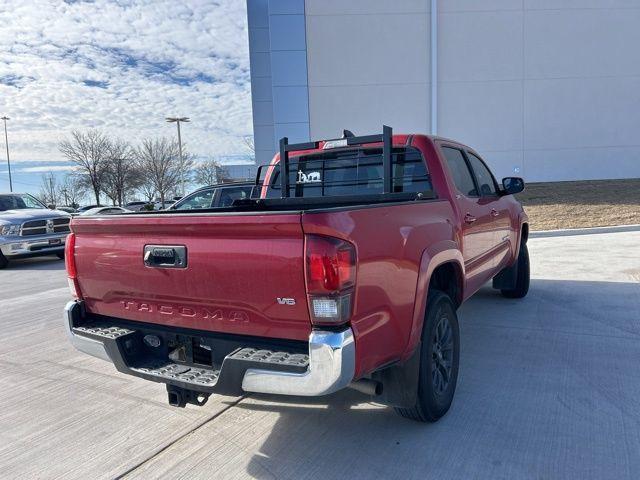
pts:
pixel 60 255
pixel 439 361
pixel 3 261
pixel 522 279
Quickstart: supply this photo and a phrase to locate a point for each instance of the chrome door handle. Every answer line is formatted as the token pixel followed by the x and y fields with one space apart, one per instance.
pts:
pixel 165 256
pixel 469 219
pixel 494 212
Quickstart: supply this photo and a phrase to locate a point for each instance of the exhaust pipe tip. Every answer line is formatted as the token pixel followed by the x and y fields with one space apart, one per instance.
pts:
pixel 368 387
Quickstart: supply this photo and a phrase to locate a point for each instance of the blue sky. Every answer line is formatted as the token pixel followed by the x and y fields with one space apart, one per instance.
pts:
pixel 121 66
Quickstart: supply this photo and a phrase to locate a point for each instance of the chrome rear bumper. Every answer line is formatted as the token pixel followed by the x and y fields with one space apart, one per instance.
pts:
pixel 332 358
pixel 331 363
pixel 92 347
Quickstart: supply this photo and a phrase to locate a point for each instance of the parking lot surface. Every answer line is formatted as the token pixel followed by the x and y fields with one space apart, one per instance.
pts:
pixel 549 387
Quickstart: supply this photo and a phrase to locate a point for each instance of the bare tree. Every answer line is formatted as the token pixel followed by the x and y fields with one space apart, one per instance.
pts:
pixel 73 189
pixel 121 174
pixel 89 152
pixel 48 189
pixel 160 166
pixel 249 143
pixel 148 190
pixel 250 146
pixel 210 172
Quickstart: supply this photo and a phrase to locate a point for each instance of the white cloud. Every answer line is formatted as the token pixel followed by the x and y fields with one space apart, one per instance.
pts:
pixel 122 67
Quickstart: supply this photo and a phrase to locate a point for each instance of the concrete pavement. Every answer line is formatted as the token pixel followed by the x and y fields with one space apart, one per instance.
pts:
pixel 548 388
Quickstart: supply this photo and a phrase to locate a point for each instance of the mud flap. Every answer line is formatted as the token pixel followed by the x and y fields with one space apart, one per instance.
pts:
pixel 507 278
pixel 400 382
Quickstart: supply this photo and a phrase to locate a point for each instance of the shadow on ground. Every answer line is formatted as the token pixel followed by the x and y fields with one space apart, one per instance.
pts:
pixel 546 390
pixel 50 262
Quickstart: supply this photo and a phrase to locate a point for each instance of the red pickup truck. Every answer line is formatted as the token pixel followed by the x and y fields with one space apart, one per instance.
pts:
pixel 344 269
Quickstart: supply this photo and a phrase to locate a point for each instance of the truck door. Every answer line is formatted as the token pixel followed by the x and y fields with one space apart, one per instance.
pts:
pixel 478 235
pixel 497 207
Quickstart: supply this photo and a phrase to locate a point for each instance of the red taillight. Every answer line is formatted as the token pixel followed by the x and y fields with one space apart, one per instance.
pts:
pixel 69 259
pixel 70 263
pixel 331 264
pixel 331 274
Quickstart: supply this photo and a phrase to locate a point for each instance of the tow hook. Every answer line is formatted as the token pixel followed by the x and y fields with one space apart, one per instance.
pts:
pixel 179 397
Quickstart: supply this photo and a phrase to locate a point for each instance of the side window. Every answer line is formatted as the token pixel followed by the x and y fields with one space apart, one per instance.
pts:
pixel 228 195
pixel 197 200
pixel 460 171
pixel 485 180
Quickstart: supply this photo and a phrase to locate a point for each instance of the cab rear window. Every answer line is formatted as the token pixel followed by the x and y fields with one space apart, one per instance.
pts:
pixel 352 172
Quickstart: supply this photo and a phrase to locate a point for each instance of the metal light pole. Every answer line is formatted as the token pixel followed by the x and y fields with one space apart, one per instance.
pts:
pixel 6 141
pixel 177 121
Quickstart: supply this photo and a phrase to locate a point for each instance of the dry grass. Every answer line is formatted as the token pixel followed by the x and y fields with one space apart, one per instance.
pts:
pixel 593 203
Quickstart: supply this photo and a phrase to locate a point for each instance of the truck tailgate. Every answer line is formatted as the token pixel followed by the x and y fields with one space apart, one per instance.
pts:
pixel 242 272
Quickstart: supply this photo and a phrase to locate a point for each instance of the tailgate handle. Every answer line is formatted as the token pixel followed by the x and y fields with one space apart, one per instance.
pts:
pixel 165 256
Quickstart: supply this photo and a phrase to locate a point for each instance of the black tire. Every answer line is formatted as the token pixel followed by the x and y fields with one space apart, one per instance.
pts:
pixel 522 280
pixel 60 255
pixel 435 397
pixel 3 261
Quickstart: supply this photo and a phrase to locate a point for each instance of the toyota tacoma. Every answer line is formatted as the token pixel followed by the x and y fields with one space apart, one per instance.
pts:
pixel 343 268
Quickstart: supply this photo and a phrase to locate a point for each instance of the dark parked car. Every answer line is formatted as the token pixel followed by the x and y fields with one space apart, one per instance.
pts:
pixel 136 206
pixel 220 195
pixel 105 211
pixel 69 210
pixel 85 208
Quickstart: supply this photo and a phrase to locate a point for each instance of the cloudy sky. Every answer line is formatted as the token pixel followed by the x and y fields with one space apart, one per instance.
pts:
pixel 121 66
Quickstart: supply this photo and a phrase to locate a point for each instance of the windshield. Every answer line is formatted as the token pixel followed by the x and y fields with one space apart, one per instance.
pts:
pixel 18 201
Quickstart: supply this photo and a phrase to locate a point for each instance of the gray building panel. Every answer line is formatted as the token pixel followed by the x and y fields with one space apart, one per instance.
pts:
pixel 367 49
pixel 290 105
pixel 295 132
pixel 479 6
pixel 287 32
pixel 260 64
pixel 289 68
pixel 582 43
pixel 359 7
pixel 484 115
pixel 364 108
pixel 278 55
pixel 480 46
pixel 262 113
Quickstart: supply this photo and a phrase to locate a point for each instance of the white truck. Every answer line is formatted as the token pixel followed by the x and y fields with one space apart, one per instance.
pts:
pixel 29 229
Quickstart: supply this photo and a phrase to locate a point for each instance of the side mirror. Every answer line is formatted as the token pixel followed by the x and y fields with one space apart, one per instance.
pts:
pixel 51 206
pixel 512 185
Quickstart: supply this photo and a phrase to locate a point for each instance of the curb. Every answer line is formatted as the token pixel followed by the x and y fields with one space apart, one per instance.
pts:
pixel 584 231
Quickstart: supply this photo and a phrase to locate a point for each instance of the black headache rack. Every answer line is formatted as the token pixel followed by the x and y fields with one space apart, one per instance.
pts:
pixel 341 145
pixel 386 138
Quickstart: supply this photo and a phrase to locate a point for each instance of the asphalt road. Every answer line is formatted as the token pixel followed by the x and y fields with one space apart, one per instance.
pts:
pixel 549 387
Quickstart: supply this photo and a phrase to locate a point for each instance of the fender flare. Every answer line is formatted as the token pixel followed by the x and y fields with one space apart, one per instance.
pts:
pixel 446 251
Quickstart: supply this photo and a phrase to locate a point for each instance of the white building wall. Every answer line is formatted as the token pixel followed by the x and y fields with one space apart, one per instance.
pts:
pixel 549 89
pixel 362 72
